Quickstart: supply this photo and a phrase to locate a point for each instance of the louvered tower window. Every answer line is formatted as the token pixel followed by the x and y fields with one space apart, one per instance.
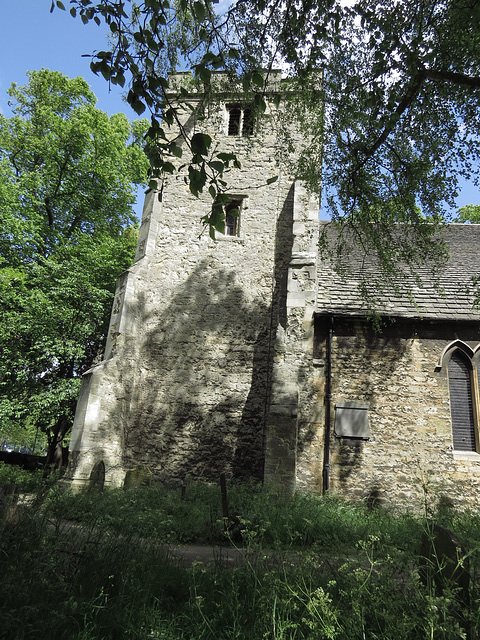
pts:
pixel 461 402
pixel 241 120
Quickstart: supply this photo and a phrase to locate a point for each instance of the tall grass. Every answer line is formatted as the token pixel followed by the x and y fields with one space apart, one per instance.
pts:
pixel 97 567
pixel 257 517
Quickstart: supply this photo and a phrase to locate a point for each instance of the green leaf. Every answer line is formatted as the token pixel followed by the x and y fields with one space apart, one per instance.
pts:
pixel 200 143
pixel 259 103
pixel 137 105
pixel 205 75
pixel 168 167
pixel 169 116
pixel 217 217
pixel 176 150
pixel 257 79
pixel 105 70
pixel 196 180
pixel 219 167
pixel 272 179
pixel 199 10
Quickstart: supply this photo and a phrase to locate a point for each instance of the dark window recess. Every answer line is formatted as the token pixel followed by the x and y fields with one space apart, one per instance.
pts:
pixel 247 129
pixel 240 120
pixel 234 116
pixel 232 216
pixel 461 403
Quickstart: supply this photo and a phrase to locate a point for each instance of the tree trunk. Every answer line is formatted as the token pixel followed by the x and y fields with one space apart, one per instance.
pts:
pixel 55 454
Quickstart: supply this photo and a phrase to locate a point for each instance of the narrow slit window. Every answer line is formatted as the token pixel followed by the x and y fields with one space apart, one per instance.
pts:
pixel 461 402
pixel 232 218
pixel 234 116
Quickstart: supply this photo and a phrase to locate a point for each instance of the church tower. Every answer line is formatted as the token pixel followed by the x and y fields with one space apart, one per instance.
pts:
pixel 198 376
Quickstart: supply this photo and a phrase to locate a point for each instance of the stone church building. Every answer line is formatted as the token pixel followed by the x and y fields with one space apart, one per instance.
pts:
pixel 252 356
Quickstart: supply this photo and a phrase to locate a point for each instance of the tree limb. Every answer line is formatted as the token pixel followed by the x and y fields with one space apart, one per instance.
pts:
pixel 459 79
pixel 403 105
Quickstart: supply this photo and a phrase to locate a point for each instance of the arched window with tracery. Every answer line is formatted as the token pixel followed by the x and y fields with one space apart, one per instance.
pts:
pixel 462 401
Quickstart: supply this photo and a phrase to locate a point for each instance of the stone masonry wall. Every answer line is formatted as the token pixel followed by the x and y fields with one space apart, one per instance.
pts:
pixel 187 380
pixel 408 460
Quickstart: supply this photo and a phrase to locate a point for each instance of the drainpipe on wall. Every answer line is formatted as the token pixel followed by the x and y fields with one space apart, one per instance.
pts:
pixel 328 402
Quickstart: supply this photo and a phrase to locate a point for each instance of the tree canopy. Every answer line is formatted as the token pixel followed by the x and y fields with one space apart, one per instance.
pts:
pixel 67 230
pixel 401 85
pixel 469 213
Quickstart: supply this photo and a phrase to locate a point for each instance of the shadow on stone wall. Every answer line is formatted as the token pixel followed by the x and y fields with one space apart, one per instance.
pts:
pixel 191 377
pixel 264 352
pixel 364 361
pixel 349 457
pixel 203 371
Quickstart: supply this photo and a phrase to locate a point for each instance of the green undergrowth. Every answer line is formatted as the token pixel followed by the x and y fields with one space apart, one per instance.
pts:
pixel 257 517
pixel 96 566
pixel 26 481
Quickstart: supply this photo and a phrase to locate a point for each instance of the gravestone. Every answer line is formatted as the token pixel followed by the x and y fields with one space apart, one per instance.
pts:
pixel 138 477
pixel 445 563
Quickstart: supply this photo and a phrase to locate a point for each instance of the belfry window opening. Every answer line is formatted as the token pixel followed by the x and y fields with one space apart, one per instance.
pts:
pixel 240 120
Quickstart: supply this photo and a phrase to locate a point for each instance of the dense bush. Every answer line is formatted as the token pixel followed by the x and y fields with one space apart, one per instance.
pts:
pixel 27 481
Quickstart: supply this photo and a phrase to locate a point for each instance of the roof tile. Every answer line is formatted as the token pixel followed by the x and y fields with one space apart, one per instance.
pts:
pixel 450 294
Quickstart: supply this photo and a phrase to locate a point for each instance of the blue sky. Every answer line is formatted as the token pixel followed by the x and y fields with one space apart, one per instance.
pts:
pixel 32 38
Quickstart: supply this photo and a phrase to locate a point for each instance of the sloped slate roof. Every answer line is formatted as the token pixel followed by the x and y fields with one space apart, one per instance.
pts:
pixel 448 295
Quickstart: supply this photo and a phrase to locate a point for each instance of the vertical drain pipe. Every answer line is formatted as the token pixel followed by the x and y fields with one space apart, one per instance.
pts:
pixel 328 403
